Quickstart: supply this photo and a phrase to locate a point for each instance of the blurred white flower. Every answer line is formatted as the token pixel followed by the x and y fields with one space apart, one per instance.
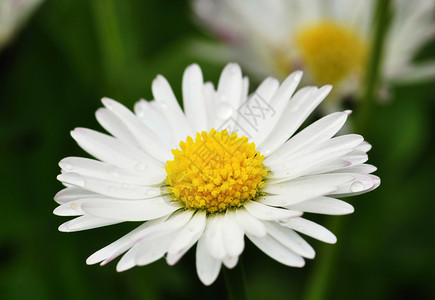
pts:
pixel 192 181
pixel 328 40
pixel 13 15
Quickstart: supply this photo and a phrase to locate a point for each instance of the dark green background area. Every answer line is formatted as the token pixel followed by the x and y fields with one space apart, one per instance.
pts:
pixel 72 53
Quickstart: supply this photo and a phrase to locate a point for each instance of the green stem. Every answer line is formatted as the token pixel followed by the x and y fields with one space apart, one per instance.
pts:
pixel 318 285
pixel 235 281
pixel 113 40
pixel 368 97
pixel 323 272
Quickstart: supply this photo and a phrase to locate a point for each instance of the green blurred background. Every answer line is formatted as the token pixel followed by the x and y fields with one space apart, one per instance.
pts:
pixel 72 53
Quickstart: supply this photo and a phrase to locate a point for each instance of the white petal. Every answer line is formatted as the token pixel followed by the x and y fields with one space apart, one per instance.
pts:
pixel 213 237
pixel 230 261
pixel 363 169
pixel 168 104
pixel 229 91
pixel 362 183
pixel 323 152
pixel 232 235
pixel 290 239
pixel 316 133
pixel 150 114
pixel 305 183
pixel 206 266
pixel 296 196
pixel 73 193
pixel 245 89
pixel 193 98
pixel 111 150
pixel 126 210
pixel 186 238
pixel 277 251
pixel 364 146
pixel 265 212
pixel 121 245
pixel 110 188
pixel 267 89
pixel 146 251
pixel 294 115
pixel 115 126
pixel 278 102
pixel 150 229
pixel 66 209
pixel 93 168
pixel 250 224
pixel 311 229
pixel 210 98
pixel 340 165
pixel 328 167
pixel 145 137
pixel 324 205
pixel 85 222
pixel 304 165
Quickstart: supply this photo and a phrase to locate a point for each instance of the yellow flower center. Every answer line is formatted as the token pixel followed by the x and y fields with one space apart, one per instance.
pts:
pixel 331 52
pixel 216 171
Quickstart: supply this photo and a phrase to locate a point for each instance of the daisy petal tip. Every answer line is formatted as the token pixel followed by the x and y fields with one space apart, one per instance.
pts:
pixel 311 254
pixel 301 264
pixel 207 281
pixel 326 89
pixel 233 67
pixel 106 261
pixel 332 239
pixel 376 181
pixel 99 112
pixel 122 267
pixel 76 132
pixel 64 163
pixel 348 112
pixel 63 227
pixel 158 79
pixel 297 75
pixel 193 68
pixel 57 213
pixel 90 261
pixel 171 261
pixel 94 259
pixel 71 178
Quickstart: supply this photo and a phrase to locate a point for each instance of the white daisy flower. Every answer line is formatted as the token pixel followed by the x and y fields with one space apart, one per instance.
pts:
pixel 192 180
pixel 329 40
pixel 13 14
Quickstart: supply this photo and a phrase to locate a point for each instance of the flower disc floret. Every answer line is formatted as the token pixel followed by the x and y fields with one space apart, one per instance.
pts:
pixel 215 171
pixel 331 51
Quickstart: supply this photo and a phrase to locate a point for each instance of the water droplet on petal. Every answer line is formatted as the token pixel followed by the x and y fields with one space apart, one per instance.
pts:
pixel 295 106
pixel 67 166
pixel 113 172
pixel 140 111
pixel 356 187
pixel 151 192
pixel 163 104
pixel 224 111
pixel 140 167
pixel 233 68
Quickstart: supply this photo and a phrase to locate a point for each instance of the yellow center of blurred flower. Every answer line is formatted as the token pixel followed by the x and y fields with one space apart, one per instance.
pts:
pixel 216 171
pixel 331 52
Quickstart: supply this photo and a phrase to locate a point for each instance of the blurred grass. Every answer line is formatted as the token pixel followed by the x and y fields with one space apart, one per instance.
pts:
pixel 72 53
